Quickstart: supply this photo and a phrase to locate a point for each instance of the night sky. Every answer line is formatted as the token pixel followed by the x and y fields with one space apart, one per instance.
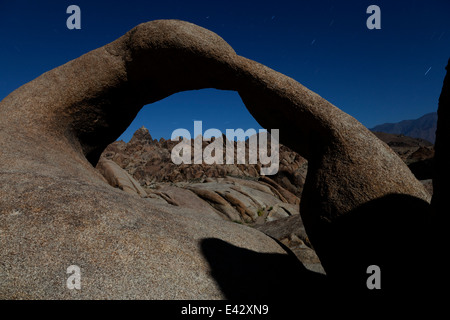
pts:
pixel 377 76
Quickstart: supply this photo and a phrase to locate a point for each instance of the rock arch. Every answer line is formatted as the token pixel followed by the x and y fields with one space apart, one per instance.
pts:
pixel 54 128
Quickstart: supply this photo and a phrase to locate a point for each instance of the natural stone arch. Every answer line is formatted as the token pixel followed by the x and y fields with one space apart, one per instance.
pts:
pixel 77 109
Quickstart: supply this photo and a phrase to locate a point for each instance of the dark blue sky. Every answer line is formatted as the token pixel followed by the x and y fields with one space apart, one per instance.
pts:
pixel 376 76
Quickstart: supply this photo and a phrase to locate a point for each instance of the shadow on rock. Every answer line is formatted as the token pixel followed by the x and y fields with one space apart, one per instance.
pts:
pixel 393 233
pixel 246 274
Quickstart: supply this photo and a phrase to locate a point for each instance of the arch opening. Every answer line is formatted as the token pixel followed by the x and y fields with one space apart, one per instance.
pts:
pixel 220 109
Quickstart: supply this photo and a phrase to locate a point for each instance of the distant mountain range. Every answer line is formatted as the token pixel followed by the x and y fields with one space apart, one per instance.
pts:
pixel 423 128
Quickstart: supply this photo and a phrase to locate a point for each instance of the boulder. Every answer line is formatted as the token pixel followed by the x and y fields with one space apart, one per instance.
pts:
pixel 119 178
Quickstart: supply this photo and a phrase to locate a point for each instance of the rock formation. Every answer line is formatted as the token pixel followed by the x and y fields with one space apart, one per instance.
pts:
pixel 56 210
pixel 234 192
pixel 149 161
pixel 441 170
pixel 238 192
pixel 119 178
pixel 409 149
pixel 417 153
pixel 441 176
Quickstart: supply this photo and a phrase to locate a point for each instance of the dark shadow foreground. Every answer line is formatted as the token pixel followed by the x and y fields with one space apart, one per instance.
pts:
pixel 249 275
pixel 391 232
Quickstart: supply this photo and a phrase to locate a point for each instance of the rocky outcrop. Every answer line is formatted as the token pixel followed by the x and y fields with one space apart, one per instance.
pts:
pixel 244 201
pixel 235 192
pixel 409 149
pixel 417 153
pixel 119 178
pixel 261 198
pixel 57 211
pixel 149 161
